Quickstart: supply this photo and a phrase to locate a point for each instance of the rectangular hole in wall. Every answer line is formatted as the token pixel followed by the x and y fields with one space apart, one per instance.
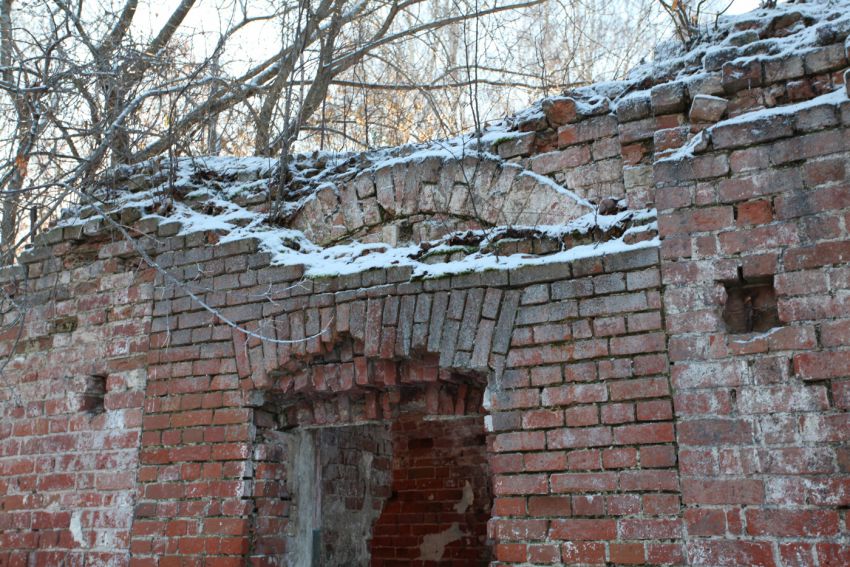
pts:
pixel 93 394
pixel 750 306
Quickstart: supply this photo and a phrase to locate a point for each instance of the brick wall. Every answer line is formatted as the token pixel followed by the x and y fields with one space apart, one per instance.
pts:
pixel 762 416
pixel 584 459
pixel 72 402
pixel 687 408
pixel 441 495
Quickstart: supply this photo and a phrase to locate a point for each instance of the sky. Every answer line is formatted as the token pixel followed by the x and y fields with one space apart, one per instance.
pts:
pixel 209 17
pixel 741 6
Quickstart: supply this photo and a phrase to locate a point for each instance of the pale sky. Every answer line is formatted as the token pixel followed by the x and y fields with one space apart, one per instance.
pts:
pixel 210 17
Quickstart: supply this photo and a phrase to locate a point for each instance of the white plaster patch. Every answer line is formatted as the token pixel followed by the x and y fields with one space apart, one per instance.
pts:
pixel 465 500
pixel 76 528
pixel 135 379
pixel 434 545
pixel 115 419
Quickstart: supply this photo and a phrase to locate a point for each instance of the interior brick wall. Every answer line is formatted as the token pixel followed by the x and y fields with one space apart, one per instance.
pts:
pixel 441 495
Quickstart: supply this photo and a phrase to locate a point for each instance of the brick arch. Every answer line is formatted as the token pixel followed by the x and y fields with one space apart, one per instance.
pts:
pixel 341 378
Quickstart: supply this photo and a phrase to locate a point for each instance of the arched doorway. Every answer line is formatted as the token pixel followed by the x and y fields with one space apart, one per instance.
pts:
pixel 408 485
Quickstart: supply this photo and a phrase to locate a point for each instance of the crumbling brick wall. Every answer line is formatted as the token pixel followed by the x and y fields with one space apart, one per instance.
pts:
pixel 686 405
pixel 761 416
pixel 72 406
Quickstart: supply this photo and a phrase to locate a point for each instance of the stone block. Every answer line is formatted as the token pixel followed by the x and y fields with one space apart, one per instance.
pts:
pixel 605 148
pixel 14 273
pixel 631 260
pixel 634 107
pixel 587 130
pixel 668 98
pixel 560 110
pixel 521 145
pixel 438 316
pixel 817 118
pixel 706 108
pixel 469 322
pixel 717 57
pixel 825 59
pixel 739 75
pixel 637 176
pixel 505 323
pixel 542 273
pixel 783 69
pixel 637 130
pixel 552 162
pixel 706 83
pixel 750 132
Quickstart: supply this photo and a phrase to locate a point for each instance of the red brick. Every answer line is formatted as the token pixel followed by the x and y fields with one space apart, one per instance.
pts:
pixel 583 530
pixel 665 554
pixel 639 388
pixel 589 553
pixel 583 482
pixel 835 333
pixel 574 394
pixel 722 491
pixel 627 553
pixel 519 530
pixel 729 553
pixel 833 554
pixel 654 410
pixel 817 255
pixel 618 413
pixel 549 506
pixel 622 504
pixel 584 460
pixel 647 433
pixel 705 522
pixel 520 484
pixel 649 528
pixel 822 365
pixel 515 552
pixel 824 171
pixel 544 554
pixel 520 441
pixel 658 456
pixel 661 504
pixel 754 212
pixel 538 419
pixel 509 507
pixel 548 461
pixel 579 438
pixel 696 220
pixel 758 238
pixel 620 458
pixel 642 480
pixel 580 416
pixel 792 523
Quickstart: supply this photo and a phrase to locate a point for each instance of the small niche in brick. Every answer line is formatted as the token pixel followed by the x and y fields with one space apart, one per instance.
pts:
pixel 94 390
pixel 750 305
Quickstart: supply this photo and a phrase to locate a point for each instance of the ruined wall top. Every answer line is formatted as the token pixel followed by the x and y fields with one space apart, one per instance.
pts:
pixel 563 177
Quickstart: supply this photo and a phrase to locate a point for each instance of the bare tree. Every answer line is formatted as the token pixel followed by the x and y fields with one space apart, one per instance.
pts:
pixel 688 15
pixel 87 88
